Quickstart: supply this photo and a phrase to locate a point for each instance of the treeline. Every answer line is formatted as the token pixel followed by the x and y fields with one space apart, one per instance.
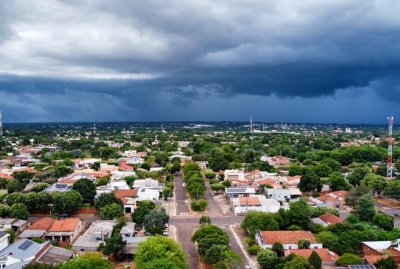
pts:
pixel 195 185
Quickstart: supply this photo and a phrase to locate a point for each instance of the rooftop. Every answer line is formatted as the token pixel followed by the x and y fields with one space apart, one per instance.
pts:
pixel 65 225
pixel 286 237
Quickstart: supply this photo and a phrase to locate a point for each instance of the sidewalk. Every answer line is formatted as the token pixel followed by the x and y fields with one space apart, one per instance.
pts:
pixel 170 206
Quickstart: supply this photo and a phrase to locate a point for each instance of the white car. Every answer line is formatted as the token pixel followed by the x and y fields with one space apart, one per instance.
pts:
pixel 183 185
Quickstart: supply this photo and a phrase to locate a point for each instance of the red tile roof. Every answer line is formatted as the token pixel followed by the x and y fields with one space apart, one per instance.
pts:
pixel 325 254
pixel 371 259
pixel 330 218
pixel 42 224
pixel 125 193
pixel 65 225
pixel 286 237
pixel 122 194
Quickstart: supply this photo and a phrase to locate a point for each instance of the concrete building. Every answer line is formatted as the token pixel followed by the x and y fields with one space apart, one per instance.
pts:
pixel 97 233
pixel 148 183
pixel 241 205
pixel 283 195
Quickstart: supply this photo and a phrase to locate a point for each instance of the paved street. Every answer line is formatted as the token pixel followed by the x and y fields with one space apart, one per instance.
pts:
pixel 186 224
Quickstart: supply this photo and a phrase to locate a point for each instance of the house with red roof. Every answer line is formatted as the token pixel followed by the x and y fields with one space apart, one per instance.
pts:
pixel 128 199
pixel 328 257
pixel 65 230
pixel 327 219
pixel 289 239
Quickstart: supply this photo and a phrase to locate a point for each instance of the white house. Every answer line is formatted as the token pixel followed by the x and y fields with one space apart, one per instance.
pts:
pixel 112 186
pixel 4 240
pixel 241 205
pixel 236 175
pixel 118 175
pixel 289 239
pixel 233 192
pixel 283 195
pixel 148 183
pixel 148 194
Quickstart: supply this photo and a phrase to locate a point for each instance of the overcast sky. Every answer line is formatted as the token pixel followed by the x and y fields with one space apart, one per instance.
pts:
pixel 287 61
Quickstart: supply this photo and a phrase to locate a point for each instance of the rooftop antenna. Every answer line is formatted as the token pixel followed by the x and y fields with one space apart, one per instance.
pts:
pixel 389 165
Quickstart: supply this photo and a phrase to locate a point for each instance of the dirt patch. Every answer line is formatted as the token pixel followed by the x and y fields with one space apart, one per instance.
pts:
pixel 86 210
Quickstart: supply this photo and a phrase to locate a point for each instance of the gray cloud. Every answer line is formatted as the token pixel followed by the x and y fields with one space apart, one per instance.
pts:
pixel 135 56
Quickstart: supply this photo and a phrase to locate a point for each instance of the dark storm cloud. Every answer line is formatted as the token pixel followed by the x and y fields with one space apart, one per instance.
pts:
pixel 135 58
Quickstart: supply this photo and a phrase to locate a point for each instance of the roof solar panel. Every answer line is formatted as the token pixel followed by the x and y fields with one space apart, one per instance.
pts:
pixel 362 266
pixel 61 186
pixel 25 245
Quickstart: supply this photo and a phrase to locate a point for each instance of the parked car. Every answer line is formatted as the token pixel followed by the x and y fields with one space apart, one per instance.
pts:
pixel 183 185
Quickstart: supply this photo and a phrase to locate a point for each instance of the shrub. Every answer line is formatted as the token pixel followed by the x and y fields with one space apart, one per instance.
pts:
pixel 253 250
pixel 349 259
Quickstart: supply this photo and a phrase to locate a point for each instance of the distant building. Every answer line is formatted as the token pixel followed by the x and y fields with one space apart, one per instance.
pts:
pixel 148 183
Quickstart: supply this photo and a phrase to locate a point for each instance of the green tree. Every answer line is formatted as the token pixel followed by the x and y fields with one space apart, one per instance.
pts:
pixel 267 259
pixel 315 260
pixel 155 220
pixel 295 170
pixel 142 210
pixel 15 185
pixel 112 211
pixel 210 240
pixel 310 181
pixel 67 202
pixel 337 182
pixel 392 190
pixel 259 220
pixel 3 183
pixel 304 243
pixel 215 253
pixel 62 171
pixel 167 192
pixel 297 262
pixel 328 240
pixel 204 220
pixel 354 194
pixel 206 230
pixel 87 260
pixel 19 211
pixel 86 188
pixel 299 214
pixel 375 182
pixel 357 175
pixel 388 263
pixel 349 259
pixel 106 199
pixel 15 197
pixel 277 247
pixel 383 221
pixel 4 211
pixel 157 247
pixel 113 245
pixel 366 207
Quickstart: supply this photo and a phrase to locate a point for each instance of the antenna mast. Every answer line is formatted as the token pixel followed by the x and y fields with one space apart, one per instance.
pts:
pixel 389 164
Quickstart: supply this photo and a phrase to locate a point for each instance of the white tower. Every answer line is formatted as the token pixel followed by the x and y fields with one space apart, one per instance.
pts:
pixel 251 124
